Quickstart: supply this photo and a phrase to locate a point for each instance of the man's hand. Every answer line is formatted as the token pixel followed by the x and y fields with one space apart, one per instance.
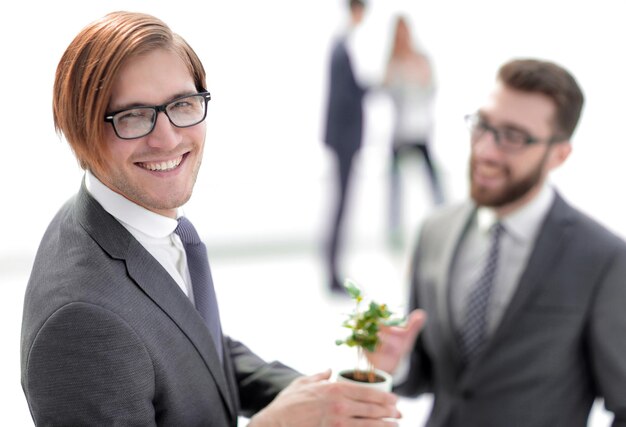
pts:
pixel 313 401
pixel 395 342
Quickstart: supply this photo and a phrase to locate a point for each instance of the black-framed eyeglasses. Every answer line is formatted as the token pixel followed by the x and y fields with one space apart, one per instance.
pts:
pixel 509 139
pixel 182 112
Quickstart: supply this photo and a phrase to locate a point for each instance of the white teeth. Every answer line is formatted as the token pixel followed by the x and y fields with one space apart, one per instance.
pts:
pixel 162 166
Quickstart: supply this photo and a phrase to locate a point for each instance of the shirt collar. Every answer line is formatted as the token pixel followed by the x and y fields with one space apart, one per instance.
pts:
pixel 130 213
pixel 522 224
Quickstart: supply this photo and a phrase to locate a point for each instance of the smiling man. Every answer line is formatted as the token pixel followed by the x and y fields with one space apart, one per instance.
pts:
pixel 159 174
pixel 524 293
pixel 121 323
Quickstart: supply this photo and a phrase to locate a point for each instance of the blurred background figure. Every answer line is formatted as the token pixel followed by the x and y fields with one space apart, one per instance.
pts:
pixel 344 132
pixel 410 83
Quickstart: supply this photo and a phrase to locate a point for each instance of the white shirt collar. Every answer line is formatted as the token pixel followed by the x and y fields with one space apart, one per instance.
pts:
pixel 129 213
pixel 522 224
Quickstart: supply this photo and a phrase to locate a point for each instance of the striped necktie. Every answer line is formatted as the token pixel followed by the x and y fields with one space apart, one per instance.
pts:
pixel 201 281
pixel 473 331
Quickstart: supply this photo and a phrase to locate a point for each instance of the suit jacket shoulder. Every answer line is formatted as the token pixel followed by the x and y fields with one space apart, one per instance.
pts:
pixel 109 331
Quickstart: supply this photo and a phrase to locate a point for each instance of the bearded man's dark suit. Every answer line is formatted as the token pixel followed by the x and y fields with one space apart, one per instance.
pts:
pixel 560 344
pixel 109 338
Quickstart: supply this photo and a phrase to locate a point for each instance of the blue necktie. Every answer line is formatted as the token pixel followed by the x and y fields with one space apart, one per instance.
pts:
pixel 201 281
pixel 473 331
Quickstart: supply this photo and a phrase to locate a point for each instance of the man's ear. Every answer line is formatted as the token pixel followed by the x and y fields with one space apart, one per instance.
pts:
pixel 560 151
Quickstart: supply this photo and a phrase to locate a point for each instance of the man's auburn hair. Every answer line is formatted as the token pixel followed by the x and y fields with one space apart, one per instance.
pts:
pixel 88 68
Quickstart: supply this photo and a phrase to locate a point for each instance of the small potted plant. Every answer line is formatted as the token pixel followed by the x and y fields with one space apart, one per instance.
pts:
pixel 364 323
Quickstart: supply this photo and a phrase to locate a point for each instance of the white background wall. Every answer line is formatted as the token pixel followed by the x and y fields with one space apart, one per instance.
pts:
pixel 266 177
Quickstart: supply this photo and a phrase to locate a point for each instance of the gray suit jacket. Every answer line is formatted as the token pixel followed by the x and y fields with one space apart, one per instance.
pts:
pixel 561 343
pixel 108 337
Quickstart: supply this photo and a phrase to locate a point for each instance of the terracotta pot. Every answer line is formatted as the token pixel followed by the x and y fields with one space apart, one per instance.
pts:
pixel 384 381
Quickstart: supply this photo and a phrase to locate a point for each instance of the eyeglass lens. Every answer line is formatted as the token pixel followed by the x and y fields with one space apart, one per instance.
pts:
pixel 138 122
pixel 505 138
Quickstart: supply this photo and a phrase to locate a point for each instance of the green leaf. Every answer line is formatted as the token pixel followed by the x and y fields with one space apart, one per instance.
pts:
pixel 395 322
pixel 365 324
pixel 352 288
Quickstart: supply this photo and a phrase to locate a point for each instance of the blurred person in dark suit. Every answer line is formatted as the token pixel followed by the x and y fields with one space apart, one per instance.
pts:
pixel 343 134
pixel 120 323
pixel 524 293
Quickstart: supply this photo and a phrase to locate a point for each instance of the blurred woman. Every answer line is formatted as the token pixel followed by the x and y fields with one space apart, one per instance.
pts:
pixel 409 81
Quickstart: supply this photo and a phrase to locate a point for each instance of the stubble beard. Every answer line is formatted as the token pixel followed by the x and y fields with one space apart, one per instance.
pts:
pixel 512 191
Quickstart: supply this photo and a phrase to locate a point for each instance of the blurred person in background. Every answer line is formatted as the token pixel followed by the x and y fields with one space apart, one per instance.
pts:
pixel 524 293
pixel 343 135
pixel 410 82
pixel 120 323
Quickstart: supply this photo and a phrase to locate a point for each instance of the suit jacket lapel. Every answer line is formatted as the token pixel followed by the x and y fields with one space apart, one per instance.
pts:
pixel 154 281
pixel 454 235
pixel 551 240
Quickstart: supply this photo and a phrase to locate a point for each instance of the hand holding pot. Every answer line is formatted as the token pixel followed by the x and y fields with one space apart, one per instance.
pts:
pixel 313 401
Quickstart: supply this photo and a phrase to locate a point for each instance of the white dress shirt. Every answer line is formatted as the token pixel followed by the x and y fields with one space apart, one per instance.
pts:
pixel 155 232
pixel 516 243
